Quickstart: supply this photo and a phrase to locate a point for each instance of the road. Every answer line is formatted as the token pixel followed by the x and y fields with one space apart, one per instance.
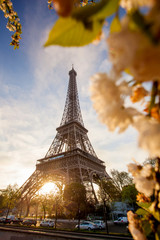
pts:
pixel 21 232
pixel 70 224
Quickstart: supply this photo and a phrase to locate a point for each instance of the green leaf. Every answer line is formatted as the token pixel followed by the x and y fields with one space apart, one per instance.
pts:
pixel 146 227
pixel 157 236
pixel 68 32
pixel 141 211
pixel 155 213
pixel 100 10
pixel 150 209
pixel 83 26
pixel 115 25
pixel 144 205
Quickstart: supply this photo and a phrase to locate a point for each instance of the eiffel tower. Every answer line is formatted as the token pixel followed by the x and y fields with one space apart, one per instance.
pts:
pixel 71 157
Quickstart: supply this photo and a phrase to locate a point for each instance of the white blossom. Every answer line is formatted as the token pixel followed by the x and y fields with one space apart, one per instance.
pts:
pixel 109 103
pixel 130 4
pixel 136 233
pixel 133 169
pixel 116 116
pixel 144 185
pixel 9 3
pixel 143 178
pixel 146 170
pixel 3 6
pixel 11 27
pixel 149 134
pixel 124 88
pixel 133 227
pixel 103 85
pixel 145 65
pixel 6 15
pixel 121 53
pixel 133 50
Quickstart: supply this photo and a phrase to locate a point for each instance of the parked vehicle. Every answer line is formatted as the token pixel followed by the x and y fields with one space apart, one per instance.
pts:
pixel 2 219
pixel 87 226
pixel 17 220
pixel 99 223
pixel 29 222
pixel 121 220
pixel 6 220
pixel 47 223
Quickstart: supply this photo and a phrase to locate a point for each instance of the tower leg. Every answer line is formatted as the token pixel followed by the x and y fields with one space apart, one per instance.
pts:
pixel 93 191
pixel 28 201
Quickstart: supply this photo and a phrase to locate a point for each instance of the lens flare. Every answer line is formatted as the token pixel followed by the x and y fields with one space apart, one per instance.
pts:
pixel 48 188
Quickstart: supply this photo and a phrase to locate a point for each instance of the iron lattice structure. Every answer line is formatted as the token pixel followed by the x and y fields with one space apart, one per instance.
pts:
pixel 71 157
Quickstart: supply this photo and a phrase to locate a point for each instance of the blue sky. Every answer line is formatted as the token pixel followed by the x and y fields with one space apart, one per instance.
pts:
pixel 33 90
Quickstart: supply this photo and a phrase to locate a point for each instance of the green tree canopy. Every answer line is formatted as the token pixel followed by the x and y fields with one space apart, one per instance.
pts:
pixel 75 192
pixel 108 191
pixel 129 194
pixel 120 179
pixel 10 198
pixel 75 198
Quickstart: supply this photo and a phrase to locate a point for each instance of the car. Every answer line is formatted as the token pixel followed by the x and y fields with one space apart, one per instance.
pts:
pixel 121 220
pixel 6 220
pixel 29 222
pixel 47 223
pixel 2 219
pixel 87 225
pixel 99 223
pixel 17 220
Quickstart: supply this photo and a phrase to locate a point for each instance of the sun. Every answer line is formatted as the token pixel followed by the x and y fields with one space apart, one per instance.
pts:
pixel 48 188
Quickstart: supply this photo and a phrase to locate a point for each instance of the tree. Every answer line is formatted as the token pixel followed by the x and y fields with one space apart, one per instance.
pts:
pixel 57 207
pixel 109 187
pixel 105 197
pixel 13 21
pixel 120 179
pixel 129 194
pixel 75 198
pixel 44 204
pixel 112 188
pixel 10 196
pixel 1 202
pixel 35 203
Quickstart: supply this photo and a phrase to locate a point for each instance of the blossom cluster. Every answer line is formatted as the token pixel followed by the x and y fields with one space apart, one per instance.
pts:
pixel 108 97
pixel 134 227
pixel 143 178
pixel 65 7
pixel 142 198
pixel 147 182
pixel 134 50
pixel 133 4
pixel 13 21
pixel 62 7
